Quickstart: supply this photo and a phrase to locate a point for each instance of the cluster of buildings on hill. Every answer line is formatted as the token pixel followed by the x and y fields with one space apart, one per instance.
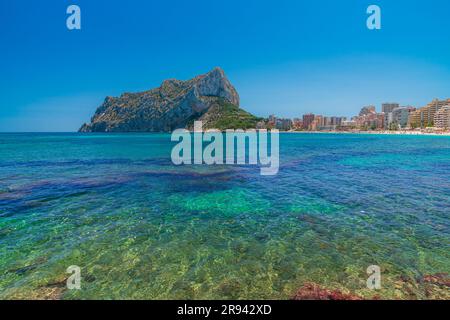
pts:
pixel 434 116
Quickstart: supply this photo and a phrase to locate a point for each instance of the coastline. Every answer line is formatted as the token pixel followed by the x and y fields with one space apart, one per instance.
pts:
pixel 409 133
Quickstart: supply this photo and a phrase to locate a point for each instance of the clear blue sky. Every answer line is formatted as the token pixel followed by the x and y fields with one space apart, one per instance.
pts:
pixel 284 57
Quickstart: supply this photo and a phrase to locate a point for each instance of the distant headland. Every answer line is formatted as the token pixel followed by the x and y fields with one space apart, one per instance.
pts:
pixel 212 99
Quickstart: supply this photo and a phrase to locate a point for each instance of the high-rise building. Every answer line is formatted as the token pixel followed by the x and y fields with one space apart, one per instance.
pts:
pixel 442 118
pixel 283 124
pixel 388 107
pixel 318 119
pixel 415 119
pixel 424 117
pixel 308 120
pixel 379 122
pixel 388 119
pixel 399 117
pixel 327 123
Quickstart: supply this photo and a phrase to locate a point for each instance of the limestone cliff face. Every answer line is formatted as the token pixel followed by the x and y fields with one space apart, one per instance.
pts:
pixel 175 104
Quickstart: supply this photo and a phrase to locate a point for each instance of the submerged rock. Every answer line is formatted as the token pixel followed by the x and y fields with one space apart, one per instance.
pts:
pixel 312 291
pixel 440 279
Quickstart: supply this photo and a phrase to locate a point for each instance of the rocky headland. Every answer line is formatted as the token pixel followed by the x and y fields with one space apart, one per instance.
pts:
pixel 175 104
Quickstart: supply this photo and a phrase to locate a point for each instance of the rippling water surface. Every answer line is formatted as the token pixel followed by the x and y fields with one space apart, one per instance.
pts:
pixel 142 228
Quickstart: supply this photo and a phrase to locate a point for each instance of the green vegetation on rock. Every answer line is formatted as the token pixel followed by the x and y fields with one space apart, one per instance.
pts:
pixel 225 115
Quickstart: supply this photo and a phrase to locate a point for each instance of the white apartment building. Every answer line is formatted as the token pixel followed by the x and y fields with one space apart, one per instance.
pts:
pixel 442 118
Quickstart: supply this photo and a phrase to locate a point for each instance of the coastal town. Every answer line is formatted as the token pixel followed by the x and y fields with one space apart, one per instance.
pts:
pixel 434 118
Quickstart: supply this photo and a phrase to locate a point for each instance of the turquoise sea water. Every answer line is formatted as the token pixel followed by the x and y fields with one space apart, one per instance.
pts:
pixel 142 228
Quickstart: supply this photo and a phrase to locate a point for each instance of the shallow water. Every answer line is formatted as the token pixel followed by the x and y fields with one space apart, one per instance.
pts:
pixel 142 228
